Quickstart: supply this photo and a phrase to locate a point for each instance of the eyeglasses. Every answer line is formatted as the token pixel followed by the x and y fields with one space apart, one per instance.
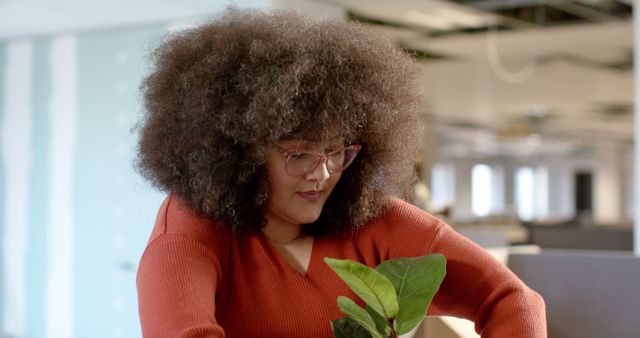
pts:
pixel 302 162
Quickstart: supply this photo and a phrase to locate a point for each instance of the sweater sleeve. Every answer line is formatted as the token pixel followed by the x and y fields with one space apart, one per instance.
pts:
pixel 176 281
pixel 480 288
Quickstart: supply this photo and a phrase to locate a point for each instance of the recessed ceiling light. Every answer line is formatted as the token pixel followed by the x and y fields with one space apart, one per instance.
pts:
pixel 534 140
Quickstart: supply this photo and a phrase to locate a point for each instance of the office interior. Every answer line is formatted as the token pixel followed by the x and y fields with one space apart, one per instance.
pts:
pixel 529 150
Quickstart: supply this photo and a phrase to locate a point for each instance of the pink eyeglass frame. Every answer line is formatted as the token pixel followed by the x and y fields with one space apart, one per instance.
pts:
pixel 321 155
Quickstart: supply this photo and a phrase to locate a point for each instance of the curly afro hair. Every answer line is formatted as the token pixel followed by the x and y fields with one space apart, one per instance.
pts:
pixel 219 95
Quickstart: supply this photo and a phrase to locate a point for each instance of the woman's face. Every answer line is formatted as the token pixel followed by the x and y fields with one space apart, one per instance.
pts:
pixel 298 200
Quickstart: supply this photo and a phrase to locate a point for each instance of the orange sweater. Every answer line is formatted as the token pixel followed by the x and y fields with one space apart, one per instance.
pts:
pixel 198 279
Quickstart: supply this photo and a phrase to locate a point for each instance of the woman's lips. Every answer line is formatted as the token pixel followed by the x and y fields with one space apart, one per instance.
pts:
pixel 311 195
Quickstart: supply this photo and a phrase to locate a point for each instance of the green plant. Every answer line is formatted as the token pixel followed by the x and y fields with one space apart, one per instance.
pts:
pixel 397 293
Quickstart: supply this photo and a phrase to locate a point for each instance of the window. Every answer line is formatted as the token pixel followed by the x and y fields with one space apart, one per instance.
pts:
pixel 442 185
pixel 532 196
pixel 524 193
pixel 481 190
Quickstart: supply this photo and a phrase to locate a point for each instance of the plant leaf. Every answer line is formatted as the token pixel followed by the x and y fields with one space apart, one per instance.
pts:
pixel 381 322
pixel 376 290
pixel 416 280
pixel 348 328
pixel 358 314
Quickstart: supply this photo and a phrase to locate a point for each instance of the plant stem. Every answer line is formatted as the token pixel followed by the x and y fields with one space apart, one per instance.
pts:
pixel 393 333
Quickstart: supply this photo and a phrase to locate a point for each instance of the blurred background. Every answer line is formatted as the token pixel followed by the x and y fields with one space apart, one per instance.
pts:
pixel 529 142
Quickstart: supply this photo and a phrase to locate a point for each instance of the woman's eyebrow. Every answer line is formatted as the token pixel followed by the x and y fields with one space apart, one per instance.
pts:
pixel 302 144
pixel 290 144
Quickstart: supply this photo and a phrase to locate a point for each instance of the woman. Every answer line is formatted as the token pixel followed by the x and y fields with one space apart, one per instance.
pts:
pixel 281 141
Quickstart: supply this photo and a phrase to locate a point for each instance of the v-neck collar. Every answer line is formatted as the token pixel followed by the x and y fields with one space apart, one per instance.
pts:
pixel 281 260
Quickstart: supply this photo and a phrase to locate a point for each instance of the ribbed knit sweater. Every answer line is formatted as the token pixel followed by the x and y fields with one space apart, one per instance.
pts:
pixel 198 279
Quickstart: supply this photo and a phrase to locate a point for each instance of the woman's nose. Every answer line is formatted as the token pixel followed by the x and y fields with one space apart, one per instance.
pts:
pixel 319 173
